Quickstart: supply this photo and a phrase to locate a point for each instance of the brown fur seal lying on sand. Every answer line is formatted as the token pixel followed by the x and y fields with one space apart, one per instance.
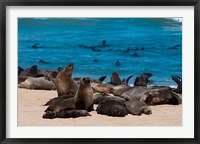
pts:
pixel 137 107
pixel 113 108
pixel 156 97
pixel 66 114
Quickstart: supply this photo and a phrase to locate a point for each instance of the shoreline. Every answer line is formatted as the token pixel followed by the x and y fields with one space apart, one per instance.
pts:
pixel 31 109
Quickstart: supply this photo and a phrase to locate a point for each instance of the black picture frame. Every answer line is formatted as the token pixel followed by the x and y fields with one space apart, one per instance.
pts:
pixel 5 3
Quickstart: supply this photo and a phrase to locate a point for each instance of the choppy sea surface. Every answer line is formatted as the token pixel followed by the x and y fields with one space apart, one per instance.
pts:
pixel 155 46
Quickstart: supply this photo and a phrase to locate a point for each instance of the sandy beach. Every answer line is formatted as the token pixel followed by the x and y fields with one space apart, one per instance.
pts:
pixel 31 109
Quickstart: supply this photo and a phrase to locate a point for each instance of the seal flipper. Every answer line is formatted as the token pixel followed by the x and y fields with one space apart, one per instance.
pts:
pixel 102 78
pixel 178 81
pixel 127 80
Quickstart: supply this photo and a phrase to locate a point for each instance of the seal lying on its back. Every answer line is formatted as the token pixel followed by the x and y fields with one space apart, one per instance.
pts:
pixel 37 83
pixel 64 83
pixel 82 100
pixel 66 114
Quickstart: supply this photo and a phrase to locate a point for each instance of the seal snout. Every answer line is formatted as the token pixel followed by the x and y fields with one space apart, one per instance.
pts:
pixel 86 79
pixel 71 65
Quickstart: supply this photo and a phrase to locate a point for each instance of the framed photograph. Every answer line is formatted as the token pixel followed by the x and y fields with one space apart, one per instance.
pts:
pixel 99 71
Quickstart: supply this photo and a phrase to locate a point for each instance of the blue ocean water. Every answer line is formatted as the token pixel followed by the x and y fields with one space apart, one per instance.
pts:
pixel 59 39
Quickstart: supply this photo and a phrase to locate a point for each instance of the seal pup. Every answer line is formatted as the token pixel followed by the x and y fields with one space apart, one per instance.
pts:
pixel 142 80
pixel 82 100
pixel 156 97
pixel 137 107
pixel 64 82
pixel 37 83
pixel 112 108
pixel 66 114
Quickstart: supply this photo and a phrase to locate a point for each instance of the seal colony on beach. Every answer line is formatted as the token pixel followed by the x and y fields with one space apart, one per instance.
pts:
pixel 77 96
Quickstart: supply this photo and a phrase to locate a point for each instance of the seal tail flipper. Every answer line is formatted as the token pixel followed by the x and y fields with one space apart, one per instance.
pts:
pixel 102 78
pixel 127 80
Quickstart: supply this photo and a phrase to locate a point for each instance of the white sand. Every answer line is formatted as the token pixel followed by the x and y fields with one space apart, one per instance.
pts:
pixel 30 111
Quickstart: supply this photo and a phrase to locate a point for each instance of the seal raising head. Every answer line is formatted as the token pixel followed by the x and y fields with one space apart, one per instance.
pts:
pixel 64 82
pixel 84 96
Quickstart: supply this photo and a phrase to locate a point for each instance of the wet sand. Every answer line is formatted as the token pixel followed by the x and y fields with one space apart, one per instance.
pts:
pixel 31 109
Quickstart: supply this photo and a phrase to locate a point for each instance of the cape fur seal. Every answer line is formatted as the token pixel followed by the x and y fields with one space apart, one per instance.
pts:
pixel 115 79
pixel 82 100
pixel 37 83
pixel 137 107
pixel 112 108
pixel 156 97
pixel 64 83
pixel 66 114
pixel 84 96
pixel 142 80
